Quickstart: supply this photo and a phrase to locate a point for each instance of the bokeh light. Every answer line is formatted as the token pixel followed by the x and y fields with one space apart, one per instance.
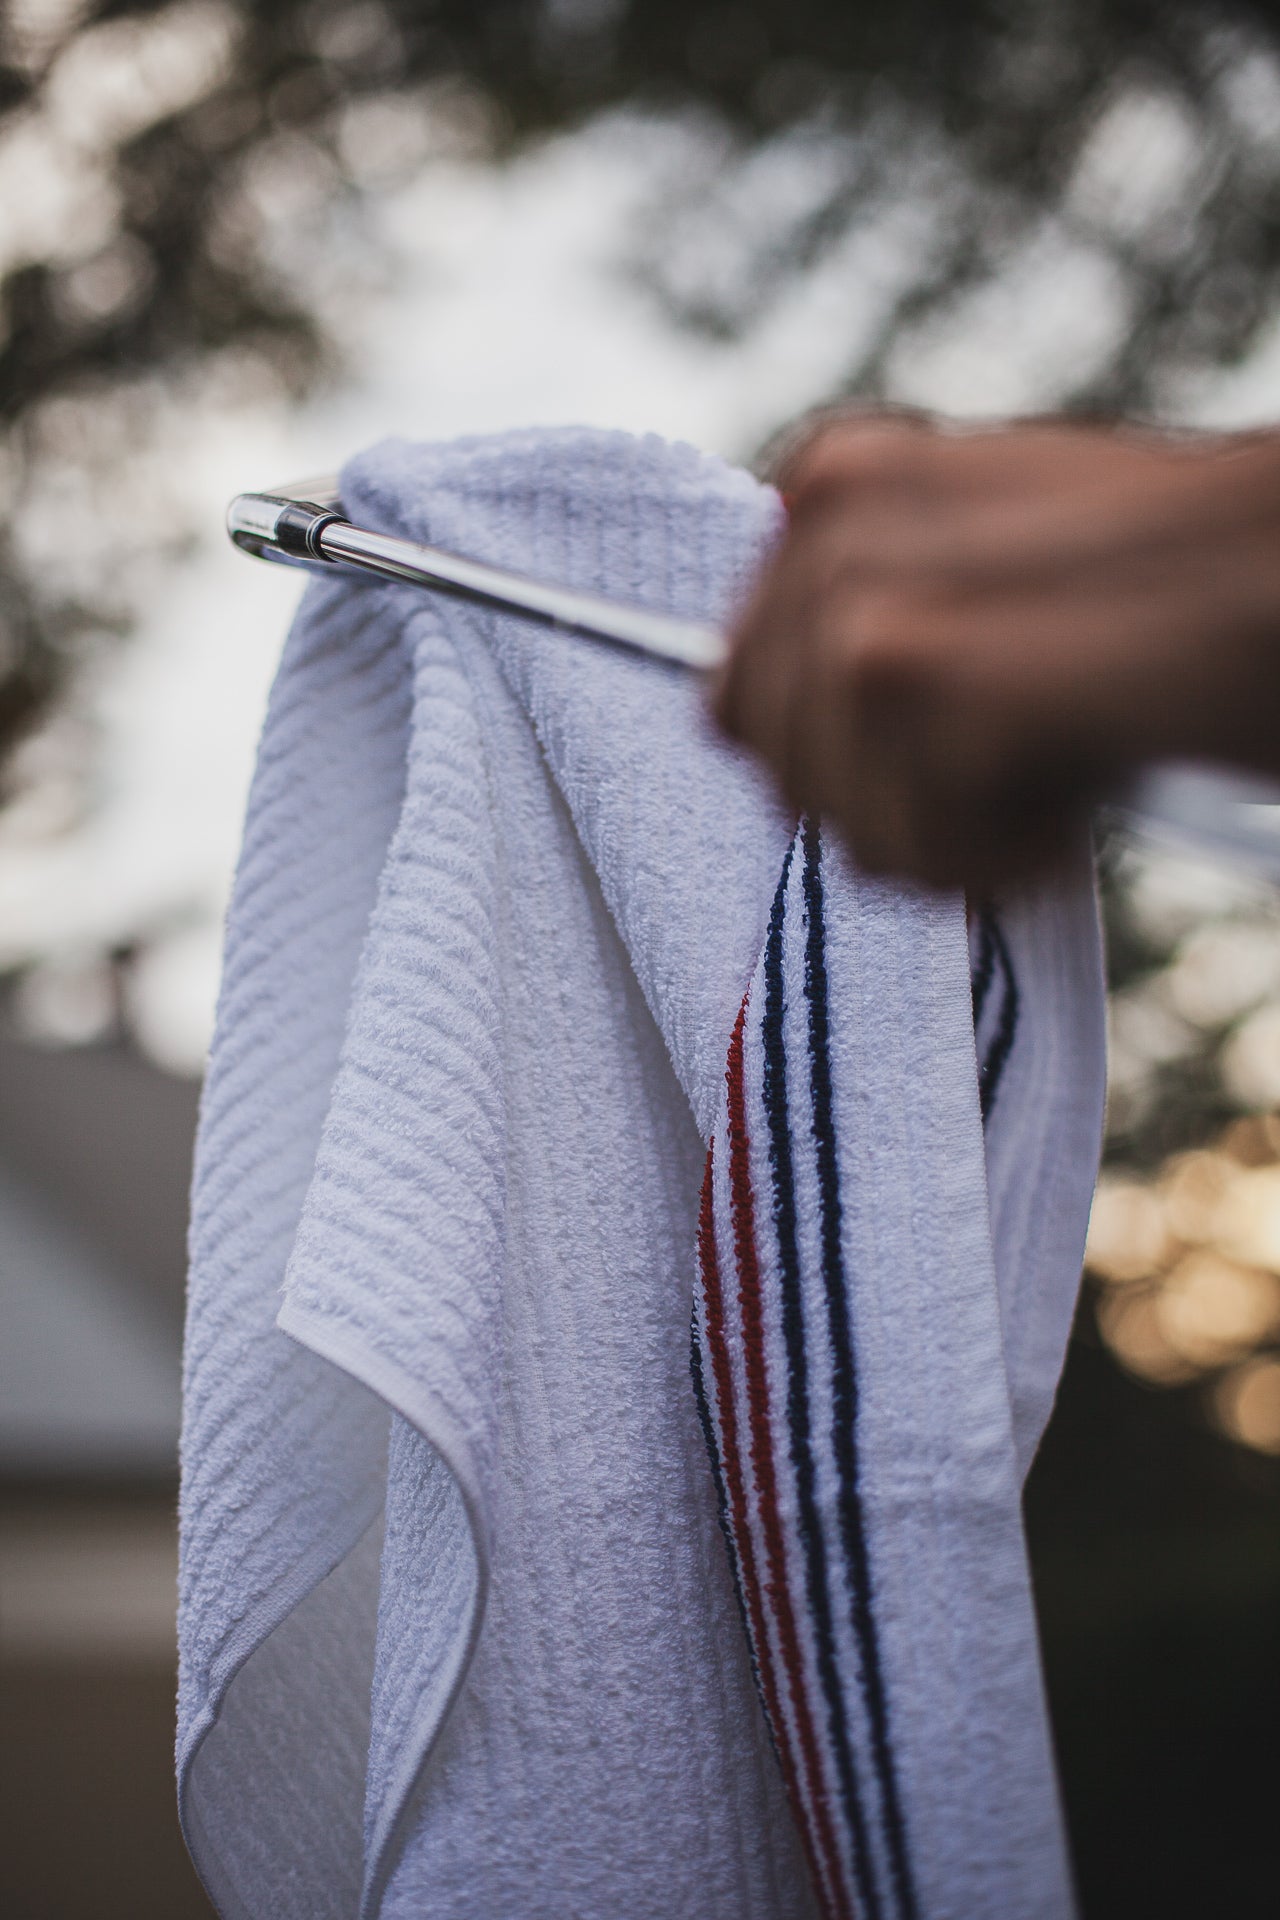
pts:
pixel 1187 1261
pixel 1247 1401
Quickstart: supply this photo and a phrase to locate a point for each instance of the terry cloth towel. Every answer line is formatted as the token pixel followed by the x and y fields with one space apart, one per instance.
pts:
pixel 493 1606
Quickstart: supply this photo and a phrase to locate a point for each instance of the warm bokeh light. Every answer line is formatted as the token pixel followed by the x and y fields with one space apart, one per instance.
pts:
pixel 1129 1236
pixel 1247 1226
pixel 1212 1310
pixel 1247 1404
pixel 1251 1059
pixel 1189 1266
pixel 1131 1325
pixel 1193 1190
pixel 1222 971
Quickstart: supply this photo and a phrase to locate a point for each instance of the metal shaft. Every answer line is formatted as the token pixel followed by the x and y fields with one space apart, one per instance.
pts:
pixel 283 527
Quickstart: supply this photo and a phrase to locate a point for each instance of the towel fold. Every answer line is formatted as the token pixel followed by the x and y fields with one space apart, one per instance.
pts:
pixel 491 1604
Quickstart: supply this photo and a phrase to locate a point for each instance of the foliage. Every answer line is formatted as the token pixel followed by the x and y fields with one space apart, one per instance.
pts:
pixel 129 128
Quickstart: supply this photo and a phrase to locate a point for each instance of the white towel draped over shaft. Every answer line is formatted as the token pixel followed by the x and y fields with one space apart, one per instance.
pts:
pixel 462 1634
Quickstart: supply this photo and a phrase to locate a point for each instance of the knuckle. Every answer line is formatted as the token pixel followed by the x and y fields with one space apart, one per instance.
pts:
pixel 854 455
pixel 882 628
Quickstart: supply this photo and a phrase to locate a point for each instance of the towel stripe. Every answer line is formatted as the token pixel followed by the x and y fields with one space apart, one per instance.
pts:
pixel 761 1454
pixel 711 1302
pixel 710 1267
pixel 775 1371
pixel 812 1536
pixel 845 1415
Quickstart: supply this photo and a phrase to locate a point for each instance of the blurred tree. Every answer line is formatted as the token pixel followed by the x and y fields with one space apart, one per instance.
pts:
pixel 128 129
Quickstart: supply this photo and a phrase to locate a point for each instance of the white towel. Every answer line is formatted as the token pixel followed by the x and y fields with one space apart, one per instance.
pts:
pixel 461 1634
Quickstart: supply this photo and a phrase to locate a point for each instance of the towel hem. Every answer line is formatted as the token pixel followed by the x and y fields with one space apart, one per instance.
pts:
pixel 404 1395
pixel 253 1633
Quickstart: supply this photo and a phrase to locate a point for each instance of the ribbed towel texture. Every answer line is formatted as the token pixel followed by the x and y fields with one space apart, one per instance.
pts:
pixel 508 1592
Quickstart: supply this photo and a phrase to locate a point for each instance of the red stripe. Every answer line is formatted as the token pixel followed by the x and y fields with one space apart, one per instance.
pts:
pixel 742 1207
pixel 731 1459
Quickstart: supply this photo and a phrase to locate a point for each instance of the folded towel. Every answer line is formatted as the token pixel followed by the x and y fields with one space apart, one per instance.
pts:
pixel 467 1557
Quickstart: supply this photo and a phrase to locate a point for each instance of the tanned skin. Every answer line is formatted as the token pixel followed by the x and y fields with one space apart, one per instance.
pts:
pixel 965 635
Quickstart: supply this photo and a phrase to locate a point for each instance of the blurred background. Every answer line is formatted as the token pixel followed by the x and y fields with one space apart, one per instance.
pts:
pixel 237 242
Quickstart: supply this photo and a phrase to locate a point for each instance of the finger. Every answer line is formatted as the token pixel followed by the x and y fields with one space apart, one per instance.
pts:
pixel 859 756
pixel 751 695
pixel 987 852
pixel 753 699
pixel 816 746
pixel 881 823
pixel 846 418
pixel 931 837
pixel 876 724
pixel 879 749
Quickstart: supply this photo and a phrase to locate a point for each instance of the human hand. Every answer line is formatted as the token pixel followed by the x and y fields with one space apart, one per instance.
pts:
pixel 965 636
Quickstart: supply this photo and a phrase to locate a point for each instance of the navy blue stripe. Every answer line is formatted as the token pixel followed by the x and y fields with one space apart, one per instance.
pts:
pixel 991 1071
pixel 722 1505
pixel 845 1416
pixel 812 1536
